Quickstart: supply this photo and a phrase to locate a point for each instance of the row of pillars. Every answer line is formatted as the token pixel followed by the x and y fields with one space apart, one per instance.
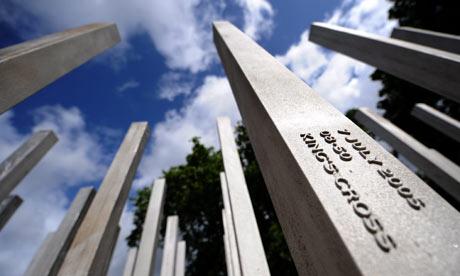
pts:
pixel 84 241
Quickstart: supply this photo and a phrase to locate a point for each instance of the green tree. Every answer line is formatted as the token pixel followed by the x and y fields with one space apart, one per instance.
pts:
pixel 193 193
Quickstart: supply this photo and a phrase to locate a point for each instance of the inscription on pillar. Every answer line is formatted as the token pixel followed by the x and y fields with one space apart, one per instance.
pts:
pixel 370 221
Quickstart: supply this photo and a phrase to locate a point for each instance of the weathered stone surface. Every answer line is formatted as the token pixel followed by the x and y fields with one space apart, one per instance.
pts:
pixel 7 208
pixel 23 160
pixel 129 266
pixel 433 69
pixel 93 243
pixel 180 258
pixel 250 248
pixel 28 67
pixel 328 204
pixel 168 263
pixel 444 172
pixel 49 260
pixel 230 227
pixel 438 120
pixel 149 239
pixel 441 41
pixel 228 257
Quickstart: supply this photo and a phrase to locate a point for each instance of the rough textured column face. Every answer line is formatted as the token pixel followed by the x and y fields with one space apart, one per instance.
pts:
pixel 28 67
pixel 427 67
pixel 92 243
pixel 23 160
pixel 129 266
pixel 169 253
pixel 328 204
pixel 441 41
pixel 7 208
pixel 228 254
pixel 444 172
pixel 49 258
pixel 250 248
pixel 438 120
pixel 180 258
pixel 149 240
pixel 230 227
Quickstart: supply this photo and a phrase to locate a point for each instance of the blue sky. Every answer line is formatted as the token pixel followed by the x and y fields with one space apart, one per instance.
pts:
pixel 165 71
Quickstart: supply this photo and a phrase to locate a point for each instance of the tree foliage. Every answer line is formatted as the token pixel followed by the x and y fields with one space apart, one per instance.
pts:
pixel 194 194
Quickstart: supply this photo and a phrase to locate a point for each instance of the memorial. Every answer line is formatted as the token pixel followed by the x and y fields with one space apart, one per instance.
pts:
pixel 445 173
pixel 346 206
pixel 94 239
pixel 229 228
pixel 438 120
pixel 249 244
pixel 430 68
pixel 441 41
pixel 7 208
pixel 149 239
pixel 129 265
pixel 50 256
pixel 28 67
pixel 168 263
pixel 180 258
pixel 23 160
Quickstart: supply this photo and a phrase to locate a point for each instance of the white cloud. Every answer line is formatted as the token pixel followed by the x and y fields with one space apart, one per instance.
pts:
pixel 173 84
pixel 258 17
pixel 171 138
pixel 341 80
pixel 180 29
pixel 75 160
pixel 127 85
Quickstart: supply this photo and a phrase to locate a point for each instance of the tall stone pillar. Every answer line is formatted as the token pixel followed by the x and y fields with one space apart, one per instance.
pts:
pixel 230 227
pixel 7 208
pixel 129 266
pixel 49 258
pixel 28 67
pixel 445 173
pixel 180 258
pixel 250 248
pixel 93 240
pixel 430 68
pixel 23 160
pixel 149 240
pixel 168 263
pixel 346 206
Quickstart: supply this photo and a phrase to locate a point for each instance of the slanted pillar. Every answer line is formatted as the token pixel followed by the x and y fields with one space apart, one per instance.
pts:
pixel 129 266
pixel 438 120
pixel 250 248
pixel 23 160
pixel 7 208
pixel 228 256
pixel 49 257
pixel 168 263
pixel 230 227
pixel 149 240
pixel 445 173
pixel 339 216
pixel 28 67
pixel 441 41
pixel 180 258
pixel 92 242
pixel 430 68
